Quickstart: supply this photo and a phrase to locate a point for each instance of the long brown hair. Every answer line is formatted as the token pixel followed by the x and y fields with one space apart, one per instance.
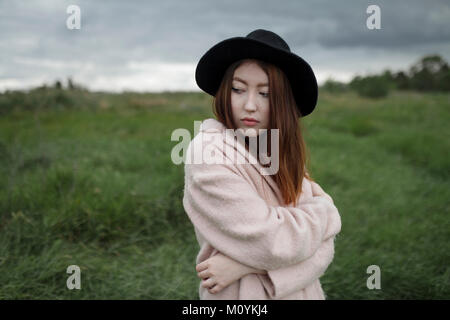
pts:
pixel 284 115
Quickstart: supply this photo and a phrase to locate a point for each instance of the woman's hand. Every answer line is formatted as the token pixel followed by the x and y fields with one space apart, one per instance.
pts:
pixel 219 271
pixel 318 191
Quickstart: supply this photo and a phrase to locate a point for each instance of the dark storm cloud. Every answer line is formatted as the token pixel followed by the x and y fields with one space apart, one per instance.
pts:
pixel 119 39
pixel 403 24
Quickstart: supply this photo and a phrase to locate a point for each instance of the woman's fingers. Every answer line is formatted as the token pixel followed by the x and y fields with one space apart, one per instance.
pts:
pixel 208 283
pixel 204 274
pixel 213 289
pixel 201 266
pixel 318 191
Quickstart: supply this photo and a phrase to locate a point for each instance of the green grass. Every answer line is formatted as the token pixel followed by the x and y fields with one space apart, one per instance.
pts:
pixel 95 187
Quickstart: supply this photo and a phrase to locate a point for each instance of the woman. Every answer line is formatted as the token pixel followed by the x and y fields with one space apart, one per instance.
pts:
pixel 261 236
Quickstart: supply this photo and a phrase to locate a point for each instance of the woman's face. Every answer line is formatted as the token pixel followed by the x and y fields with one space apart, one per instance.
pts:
pixel 250 98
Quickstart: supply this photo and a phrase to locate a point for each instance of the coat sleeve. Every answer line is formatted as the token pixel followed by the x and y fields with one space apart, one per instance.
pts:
pixel 282 282
pixel 235 220
pixel 334 223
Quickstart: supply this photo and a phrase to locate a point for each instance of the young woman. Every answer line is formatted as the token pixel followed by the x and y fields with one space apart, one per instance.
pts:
pixel 261 236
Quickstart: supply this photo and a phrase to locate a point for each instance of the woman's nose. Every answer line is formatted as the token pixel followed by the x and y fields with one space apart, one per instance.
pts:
pixel 250 103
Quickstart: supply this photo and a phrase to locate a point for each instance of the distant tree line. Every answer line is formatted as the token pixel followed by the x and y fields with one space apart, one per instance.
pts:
pixel 55 96
pixel 429 74
pixel 71 85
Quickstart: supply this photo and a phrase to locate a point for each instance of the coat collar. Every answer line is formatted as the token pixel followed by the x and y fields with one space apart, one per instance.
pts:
pixel 212 125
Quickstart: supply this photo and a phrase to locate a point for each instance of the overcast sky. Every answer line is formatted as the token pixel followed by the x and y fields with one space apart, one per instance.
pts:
pixel 155 45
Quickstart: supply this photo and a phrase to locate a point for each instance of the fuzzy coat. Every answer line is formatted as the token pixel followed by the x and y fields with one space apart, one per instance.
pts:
pixel 237 211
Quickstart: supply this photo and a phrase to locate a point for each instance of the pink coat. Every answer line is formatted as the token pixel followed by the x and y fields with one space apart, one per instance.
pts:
pixel 237 211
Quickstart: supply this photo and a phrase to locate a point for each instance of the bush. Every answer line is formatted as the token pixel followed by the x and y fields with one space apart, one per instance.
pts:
pixel 44 98
pixel 431 73
pixel 371 86
pixel 334 86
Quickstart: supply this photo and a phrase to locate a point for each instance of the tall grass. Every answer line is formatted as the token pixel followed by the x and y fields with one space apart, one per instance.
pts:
pixel 96 187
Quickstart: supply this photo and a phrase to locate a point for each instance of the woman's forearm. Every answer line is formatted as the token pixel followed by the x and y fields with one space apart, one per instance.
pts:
pixel 249 270
pixel 244 269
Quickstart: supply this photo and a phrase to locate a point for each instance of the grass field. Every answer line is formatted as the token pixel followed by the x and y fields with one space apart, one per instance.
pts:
pixel 95 187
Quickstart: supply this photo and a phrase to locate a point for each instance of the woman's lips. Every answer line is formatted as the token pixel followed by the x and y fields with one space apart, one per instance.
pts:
pixel 250 122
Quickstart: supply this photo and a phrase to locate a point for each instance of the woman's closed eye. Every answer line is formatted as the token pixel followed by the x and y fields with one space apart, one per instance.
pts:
pixel 264 94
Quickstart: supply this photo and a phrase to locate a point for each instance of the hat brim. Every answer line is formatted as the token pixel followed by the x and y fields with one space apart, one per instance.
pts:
pixel 213 64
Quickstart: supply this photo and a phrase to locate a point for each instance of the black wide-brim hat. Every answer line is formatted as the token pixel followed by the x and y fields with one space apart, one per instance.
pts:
pixel 263 45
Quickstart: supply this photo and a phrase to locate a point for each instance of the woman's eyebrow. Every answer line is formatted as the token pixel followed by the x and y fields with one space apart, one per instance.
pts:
pixel 243 81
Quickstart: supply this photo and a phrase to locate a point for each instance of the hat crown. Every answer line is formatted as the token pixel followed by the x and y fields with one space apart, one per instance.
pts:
pixel 270 38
